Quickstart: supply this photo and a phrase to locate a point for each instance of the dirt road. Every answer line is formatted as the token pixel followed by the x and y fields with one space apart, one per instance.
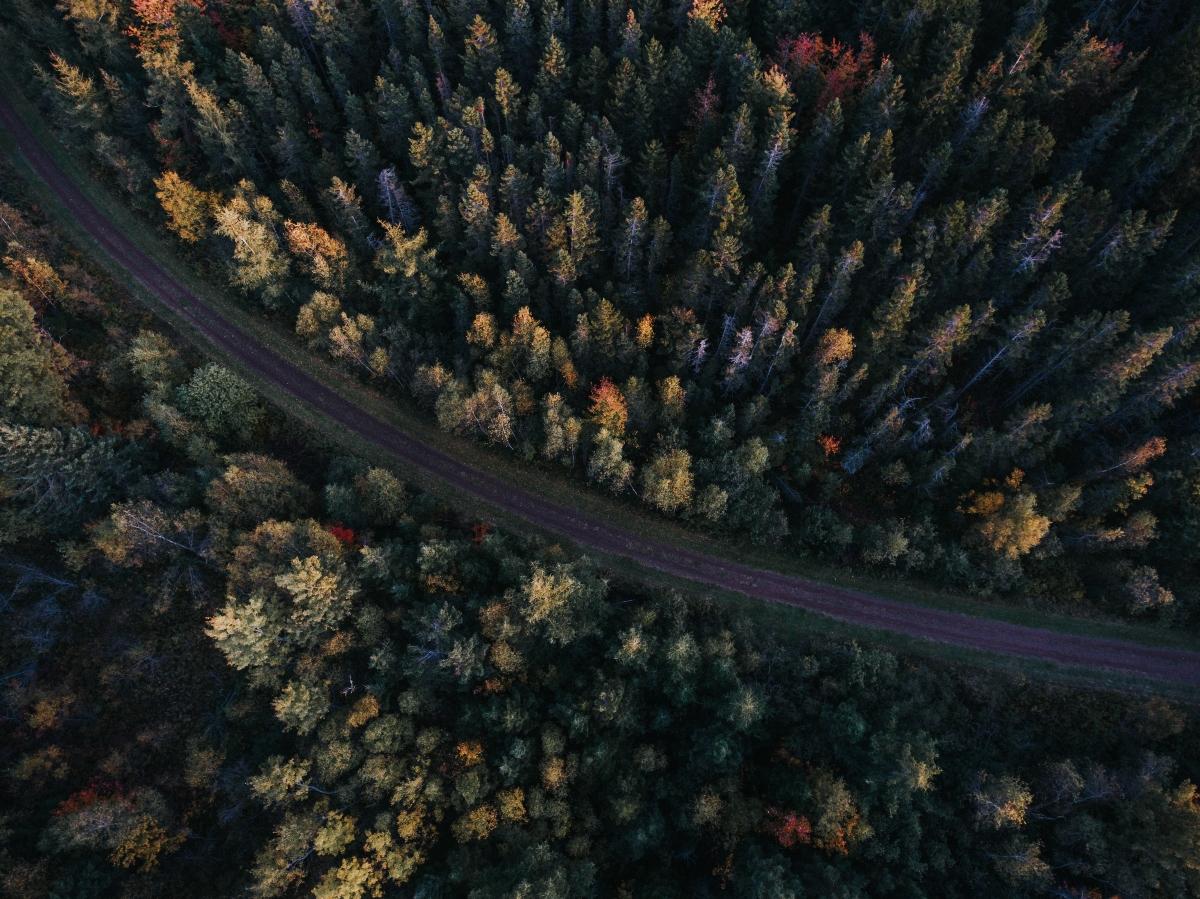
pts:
pixel 1171 665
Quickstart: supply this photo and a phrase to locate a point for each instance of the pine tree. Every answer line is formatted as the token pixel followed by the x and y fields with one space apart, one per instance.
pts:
pixel 250 223
pixel 552 74
pixel 481 54
pixel 476 211
pixel 33 389
pixel 572 240
pixel 56 478
pixel 80 101
pixel 188 209
pixel 324 258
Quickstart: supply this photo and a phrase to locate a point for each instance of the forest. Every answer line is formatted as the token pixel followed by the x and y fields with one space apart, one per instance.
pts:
pixel 905 286
pixel 236 660
pixel 902 286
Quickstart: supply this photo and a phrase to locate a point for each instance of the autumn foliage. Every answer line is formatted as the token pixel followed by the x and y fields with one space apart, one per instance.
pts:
pixel 838 69
pixel 920 302
pixel 608 407
pixel 788 828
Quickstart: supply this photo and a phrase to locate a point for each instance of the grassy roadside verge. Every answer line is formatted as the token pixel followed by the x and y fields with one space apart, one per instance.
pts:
pixel 551 483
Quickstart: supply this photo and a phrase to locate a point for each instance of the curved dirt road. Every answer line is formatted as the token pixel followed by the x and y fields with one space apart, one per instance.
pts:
pixel 1172 665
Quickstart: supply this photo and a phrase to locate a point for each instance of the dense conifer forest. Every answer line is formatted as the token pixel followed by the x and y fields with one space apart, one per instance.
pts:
pixel 909 286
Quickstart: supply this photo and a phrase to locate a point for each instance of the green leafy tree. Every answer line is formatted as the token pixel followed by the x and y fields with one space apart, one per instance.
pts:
pixel 224 404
